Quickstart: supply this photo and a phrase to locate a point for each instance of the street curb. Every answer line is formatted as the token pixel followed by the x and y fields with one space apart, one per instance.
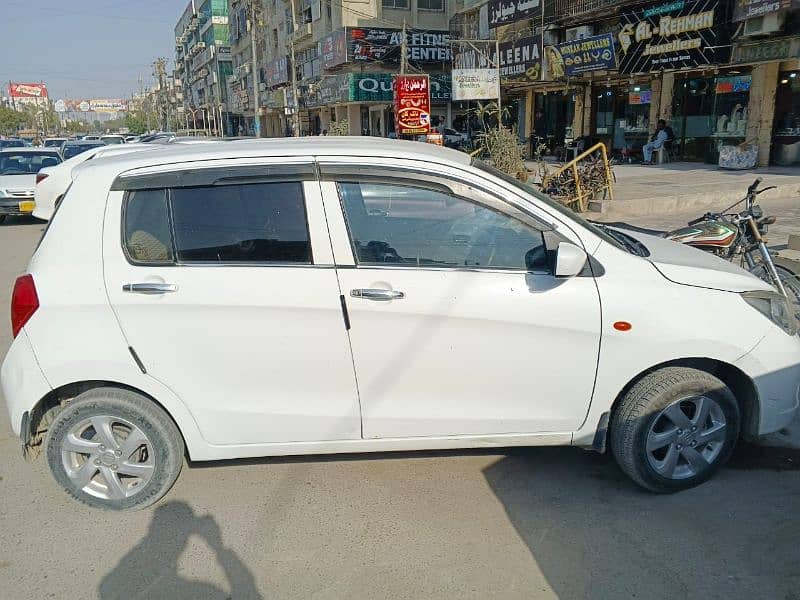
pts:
pixel 659 205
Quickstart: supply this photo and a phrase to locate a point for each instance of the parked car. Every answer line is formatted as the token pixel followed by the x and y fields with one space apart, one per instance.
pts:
pixel 91 138
pixel 224 299
pixel 74 147
pixel 53 182
pixel 54 142
pixel 132 139
pixel 18 172
pixel 12 143
pixel 453 138
pixel 112 139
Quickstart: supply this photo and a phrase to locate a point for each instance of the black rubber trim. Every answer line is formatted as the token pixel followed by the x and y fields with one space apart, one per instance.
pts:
pixel 25 431
pixel 179 177
pixel 601 434
pixel 137 360
pixel 344 312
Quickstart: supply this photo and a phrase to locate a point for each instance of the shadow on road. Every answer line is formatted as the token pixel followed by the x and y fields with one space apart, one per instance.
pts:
pixel 594 534
pixel 150 569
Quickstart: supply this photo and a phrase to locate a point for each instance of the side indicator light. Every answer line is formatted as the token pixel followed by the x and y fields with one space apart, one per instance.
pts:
pixel 622 326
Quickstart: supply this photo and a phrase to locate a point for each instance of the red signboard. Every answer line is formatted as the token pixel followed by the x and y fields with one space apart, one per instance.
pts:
pixel 412 104
pixel 27 90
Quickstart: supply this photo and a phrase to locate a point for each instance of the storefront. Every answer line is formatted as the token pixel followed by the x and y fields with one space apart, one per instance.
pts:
pixel 621 115
pixel 786 130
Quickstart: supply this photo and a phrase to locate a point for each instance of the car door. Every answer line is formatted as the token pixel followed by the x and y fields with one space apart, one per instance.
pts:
pixel 222 280
pixel 458 326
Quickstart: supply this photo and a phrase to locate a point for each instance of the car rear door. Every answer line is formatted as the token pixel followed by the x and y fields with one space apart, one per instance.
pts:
pixel 458 326
pixel 222 278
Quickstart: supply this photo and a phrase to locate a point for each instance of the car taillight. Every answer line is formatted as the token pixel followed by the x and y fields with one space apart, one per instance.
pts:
pixel 40 177
pixel 24 302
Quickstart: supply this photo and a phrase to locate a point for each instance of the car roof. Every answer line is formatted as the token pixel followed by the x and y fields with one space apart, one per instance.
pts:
pixel 83 143
pixel 319 146
pixel 28 150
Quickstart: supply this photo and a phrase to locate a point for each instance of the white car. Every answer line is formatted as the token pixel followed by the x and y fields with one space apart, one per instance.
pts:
pixel 112 139
pixel 52 182
pixel 320 295
pixel 19 172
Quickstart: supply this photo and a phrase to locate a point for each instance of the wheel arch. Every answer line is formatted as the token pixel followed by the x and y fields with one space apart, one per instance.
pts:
pixel 44 412
pixel 743 388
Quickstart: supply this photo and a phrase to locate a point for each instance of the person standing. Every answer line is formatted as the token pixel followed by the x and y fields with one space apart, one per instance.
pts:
pixel 656 142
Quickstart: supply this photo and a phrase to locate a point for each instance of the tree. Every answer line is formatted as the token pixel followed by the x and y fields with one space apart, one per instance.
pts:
pixel 135 123
pixel 10 120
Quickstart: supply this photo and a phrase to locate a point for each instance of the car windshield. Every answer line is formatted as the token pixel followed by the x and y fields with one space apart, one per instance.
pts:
pixel 26 163
pixel 600 232
pixel 74 150
pixel 111 139
pixel 12 144
pixel 49 143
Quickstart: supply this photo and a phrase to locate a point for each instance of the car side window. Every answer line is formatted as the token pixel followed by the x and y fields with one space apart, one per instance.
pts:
pixel 402 224
pixel 259 222
pixel 147 231
pixel 243 223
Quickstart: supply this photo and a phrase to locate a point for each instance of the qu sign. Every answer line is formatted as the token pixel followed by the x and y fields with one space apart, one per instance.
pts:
pixel 673 35
pixel 412 104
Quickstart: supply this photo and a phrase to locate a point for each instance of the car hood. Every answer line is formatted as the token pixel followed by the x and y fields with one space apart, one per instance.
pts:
pixel 18 183
pixel 689 266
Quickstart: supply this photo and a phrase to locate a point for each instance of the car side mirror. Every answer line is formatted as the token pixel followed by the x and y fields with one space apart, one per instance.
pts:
pixel 570 260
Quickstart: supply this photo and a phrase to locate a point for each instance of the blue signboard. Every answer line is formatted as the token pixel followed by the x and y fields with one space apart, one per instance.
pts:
pixel 582 56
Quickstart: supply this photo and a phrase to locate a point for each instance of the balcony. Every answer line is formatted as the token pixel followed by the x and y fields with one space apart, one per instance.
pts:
pixel 303 32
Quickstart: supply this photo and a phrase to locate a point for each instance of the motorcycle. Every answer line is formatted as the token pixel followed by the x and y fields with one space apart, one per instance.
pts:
pixel 742 237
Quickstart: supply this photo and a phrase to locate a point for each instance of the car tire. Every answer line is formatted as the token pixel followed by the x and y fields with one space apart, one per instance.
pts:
pixel 3 219
pixel 674 429
pixel 114 449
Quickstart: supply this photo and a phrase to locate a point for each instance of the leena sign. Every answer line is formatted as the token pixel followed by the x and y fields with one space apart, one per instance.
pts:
pixel 672 35
pixel 412 104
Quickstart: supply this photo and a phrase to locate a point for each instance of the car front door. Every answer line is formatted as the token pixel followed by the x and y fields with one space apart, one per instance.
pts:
pixel 458 326
pixel 222 280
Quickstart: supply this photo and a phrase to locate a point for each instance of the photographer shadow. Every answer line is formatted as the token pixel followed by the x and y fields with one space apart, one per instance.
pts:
pixel 150 569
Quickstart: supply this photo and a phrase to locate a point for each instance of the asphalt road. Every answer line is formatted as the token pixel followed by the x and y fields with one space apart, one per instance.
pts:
pixel 538 523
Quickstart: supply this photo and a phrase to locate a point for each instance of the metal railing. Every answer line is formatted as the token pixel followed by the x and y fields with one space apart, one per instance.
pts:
pixel 586 189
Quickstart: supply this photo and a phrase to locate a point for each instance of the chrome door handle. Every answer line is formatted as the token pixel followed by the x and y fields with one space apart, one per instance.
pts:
pixel 149 288
pixel 377 294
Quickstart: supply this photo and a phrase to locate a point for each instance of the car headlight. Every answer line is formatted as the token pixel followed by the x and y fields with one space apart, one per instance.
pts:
pixel 775 307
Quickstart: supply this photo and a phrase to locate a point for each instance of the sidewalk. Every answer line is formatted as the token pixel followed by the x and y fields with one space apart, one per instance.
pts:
pixel 675 187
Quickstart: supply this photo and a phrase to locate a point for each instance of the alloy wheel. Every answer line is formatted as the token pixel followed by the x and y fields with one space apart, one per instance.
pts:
pixel 108 457
pixel 686 437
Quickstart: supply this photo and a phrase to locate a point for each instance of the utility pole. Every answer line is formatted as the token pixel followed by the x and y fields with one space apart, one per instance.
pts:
pixel 253 23
pixel 499 87
pixel 295 95
pixel 403 50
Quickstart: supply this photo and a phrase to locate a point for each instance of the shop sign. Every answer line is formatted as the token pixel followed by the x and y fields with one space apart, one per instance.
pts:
pixel 766 50
pixel 673 35
pixel 412 104
pixel 518 61
pixel 334 49
pixel 276 72
pixel 377 87
pixel 640 97
pixel 503 12
pixel 223 52
pixel 730 85
pixel 21 91
pixel 569 59
pixel 475 84
pixel 333 89
pixel 370 44
pixel 747 9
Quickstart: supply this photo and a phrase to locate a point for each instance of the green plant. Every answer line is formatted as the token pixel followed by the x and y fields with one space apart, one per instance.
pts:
pixel 339 127
pixel 505 151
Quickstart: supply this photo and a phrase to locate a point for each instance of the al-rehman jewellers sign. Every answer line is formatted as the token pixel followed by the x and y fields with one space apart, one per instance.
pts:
pixel 673 35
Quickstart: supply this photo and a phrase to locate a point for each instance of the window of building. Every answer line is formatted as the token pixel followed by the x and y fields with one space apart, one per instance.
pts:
pixel 249 223
pixel 430 4
pixel 414 226
pixel 400 4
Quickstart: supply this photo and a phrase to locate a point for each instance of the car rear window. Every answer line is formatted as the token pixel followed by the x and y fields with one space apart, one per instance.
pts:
pixel 246 223
pixel 26 163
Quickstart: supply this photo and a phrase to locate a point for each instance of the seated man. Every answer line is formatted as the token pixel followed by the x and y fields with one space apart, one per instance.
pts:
pixel 657 141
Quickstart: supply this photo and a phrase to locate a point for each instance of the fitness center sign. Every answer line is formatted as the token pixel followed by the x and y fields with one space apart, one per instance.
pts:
pixel 673 35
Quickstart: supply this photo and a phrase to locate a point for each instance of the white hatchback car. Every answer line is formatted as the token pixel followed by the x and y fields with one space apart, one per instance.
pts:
pixel 317 295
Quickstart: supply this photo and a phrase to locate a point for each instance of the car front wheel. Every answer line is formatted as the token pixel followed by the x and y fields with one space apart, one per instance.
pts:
pixel 114 449
pixel 674 429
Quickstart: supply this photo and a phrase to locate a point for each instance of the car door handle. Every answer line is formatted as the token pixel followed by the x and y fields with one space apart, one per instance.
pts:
pixel 149 288
pixel 377 294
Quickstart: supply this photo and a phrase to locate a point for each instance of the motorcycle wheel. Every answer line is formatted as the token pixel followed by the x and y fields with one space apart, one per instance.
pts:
pixel 788 273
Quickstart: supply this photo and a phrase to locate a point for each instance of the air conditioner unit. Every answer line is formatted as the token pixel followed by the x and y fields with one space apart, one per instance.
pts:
pixel 262 86
pixel 303 31
pixel 246 69
pixel 579 33
pixel 763 25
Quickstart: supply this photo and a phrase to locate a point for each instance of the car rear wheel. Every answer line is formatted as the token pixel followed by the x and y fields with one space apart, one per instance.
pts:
pixel 114 449
pixel 674 429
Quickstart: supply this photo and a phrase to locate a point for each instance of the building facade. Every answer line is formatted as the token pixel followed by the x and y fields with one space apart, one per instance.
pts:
pixel 203 65
pixel 722 73
pixel 319 62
